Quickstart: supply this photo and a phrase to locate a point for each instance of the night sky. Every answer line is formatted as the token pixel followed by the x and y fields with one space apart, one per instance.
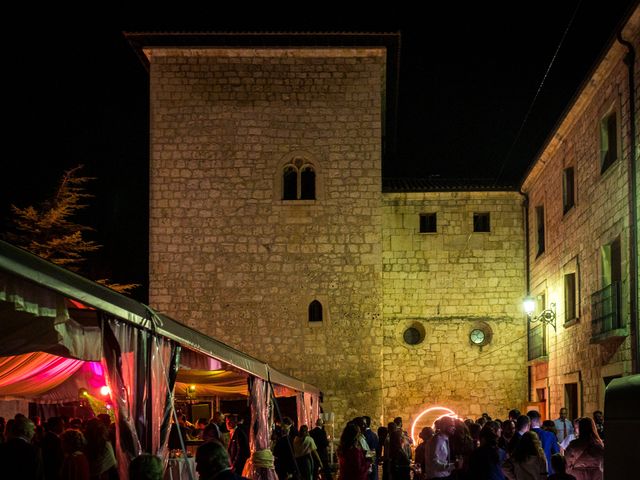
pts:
pixel 75 93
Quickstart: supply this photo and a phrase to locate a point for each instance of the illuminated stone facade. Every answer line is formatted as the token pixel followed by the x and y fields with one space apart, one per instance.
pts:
pixel 445 284
pixel 229 257
pixel 582 256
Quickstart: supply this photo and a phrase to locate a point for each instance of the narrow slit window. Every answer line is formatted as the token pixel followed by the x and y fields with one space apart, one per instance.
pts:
pixel 569 297
pixel 315 311
pixel 540 229
pixel 568 190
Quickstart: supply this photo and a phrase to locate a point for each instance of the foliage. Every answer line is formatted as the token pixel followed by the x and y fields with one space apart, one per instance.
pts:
pixel 50 232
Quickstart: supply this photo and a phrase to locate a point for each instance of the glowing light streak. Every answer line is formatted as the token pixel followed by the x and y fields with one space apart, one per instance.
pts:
pixel 448 413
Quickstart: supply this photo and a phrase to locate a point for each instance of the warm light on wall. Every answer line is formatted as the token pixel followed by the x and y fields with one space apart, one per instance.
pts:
pixel 447 413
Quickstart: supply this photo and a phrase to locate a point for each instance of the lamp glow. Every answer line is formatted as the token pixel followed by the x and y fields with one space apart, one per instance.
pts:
pixel 529 305
pixel 104 391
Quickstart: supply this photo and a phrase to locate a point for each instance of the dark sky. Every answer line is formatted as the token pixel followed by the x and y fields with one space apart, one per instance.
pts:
pixel 77 94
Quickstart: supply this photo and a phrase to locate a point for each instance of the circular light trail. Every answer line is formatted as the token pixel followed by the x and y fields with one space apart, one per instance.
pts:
pixel 447 413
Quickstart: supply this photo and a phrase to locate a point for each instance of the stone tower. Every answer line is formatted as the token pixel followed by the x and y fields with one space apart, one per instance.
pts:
pixel 265 208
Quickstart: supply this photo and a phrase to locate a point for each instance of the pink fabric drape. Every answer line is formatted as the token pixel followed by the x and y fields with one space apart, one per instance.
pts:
pixel 32 374
pixel 260 465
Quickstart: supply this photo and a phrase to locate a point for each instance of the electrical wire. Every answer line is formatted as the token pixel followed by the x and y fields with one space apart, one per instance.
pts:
pixel 535 97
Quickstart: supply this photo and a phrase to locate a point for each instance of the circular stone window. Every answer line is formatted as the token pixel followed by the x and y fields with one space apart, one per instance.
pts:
pixel 414 334
pixel 480 334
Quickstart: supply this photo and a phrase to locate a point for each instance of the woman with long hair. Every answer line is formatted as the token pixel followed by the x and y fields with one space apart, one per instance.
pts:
pixel 527 461
pixel 351 459
pixel 585 454
pixel 400 462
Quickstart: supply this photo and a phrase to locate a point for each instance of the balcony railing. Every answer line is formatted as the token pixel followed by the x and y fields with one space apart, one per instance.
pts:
pixel 605 310
pixel 537 342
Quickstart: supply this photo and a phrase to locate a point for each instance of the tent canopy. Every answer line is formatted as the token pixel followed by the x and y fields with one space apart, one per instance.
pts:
pixel 38 291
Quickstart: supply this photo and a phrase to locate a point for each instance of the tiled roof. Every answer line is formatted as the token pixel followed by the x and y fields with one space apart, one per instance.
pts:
pixel 439 184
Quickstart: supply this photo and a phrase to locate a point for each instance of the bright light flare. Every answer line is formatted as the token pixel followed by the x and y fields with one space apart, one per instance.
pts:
pixel 447 412
pixel 104 391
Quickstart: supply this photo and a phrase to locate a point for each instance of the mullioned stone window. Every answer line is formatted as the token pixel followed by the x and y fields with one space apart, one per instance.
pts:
pixel 299 180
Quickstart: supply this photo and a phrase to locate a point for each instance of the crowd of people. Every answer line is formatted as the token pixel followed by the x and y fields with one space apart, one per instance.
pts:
pixel 61 448
pixel 522 447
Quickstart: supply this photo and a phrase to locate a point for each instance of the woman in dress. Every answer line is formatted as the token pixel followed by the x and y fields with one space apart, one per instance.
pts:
pixel 585 454
pixel 352 462
pixel 306 454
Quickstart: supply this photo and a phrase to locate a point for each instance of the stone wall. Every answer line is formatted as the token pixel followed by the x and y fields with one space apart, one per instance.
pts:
pixel 574 239
pixel 227 255
pixel 445 284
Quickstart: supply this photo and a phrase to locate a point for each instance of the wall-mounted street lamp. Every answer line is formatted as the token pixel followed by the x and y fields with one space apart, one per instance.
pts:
pixel 547 316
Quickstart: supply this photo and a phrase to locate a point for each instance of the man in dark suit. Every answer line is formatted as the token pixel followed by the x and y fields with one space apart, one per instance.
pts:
pixel 212 461
pixel 319 436
pixel 18 457
pixel 547 439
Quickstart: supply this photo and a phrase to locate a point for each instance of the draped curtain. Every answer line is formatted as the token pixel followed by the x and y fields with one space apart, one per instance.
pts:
pixel 260 465
pixel 141 370
pixel 33 374
pixel 308 409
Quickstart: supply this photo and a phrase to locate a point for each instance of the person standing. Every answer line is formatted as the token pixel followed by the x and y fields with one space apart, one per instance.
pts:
pixel 564 427
pixel 439 464
pixel 585 455
pixel 319 436
pixel 306 454
pixel 212 462
pixel 598 419
pixel 548 440
pixel 528 461
pixel 352 462
pixel 239 451
pixel 373 442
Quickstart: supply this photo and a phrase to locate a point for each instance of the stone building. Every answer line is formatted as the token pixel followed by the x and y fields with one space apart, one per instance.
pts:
pixel 272 229
pixel 269 228
pixel 582 242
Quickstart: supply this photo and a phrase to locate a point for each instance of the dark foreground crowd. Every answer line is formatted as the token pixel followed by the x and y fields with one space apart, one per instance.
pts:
pixel 520 448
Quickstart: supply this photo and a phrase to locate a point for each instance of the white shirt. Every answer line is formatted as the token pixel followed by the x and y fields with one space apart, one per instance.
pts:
pixel 560 428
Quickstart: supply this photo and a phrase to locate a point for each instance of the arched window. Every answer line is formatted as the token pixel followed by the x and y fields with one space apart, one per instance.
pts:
pixel 290 183
pixel 315 311
pixel 308 183
pixel 298 181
